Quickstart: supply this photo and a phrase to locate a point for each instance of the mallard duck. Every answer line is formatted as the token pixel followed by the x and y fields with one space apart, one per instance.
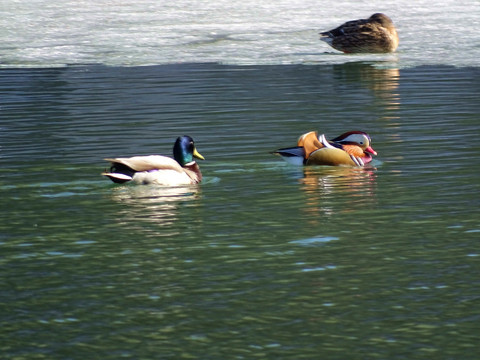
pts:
pixel 377 34
pixel 158 169
pixel 351 148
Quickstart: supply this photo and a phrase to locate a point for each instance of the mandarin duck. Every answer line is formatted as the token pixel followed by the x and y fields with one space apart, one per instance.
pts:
pixel 351 148
pixel 377 34
pixel 158 169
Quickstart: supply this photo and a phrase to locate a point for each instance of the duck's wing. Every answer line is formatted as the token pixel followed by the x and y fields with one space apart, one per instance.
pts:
pixel 363 42
pixel 350 27
pixel 148 163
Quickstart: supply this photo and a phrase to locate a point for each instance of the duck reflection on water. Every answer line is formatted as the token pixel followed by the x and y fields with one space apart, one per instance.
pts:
pixel 330 190
pixel 152 209
pixel 381 78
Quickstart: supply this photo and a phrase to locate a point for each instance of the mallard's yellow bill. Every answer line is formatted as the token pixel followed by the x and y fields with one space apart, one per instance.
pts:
pixel 197 155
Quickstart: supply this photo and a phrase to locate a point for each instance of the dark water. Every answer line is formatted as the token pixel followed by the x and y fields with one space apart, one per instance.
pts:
pixel 263 260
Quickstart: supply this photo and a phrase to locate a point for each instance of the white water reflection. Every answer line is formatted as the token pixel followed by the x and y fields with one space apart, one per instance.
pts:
pixel 152 209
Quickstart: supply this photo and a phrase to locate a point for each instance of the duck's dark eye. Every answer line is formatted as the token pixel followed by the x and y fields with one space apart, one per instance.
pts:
pixel 361 142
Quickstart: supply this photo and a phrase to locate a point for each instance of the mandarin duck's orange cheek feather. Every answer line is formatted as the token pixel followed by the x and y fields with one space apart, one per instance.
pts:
pixel 353 150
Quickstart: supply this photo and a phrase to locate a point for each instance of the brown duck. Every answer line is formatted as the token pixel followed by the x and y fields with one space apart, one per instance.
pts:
pixel 377 34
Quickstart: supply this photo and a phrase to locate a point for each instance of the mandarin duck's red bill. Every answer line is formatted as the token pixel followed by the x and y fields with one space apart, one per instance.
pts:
pixel 377 34
pixel 352 148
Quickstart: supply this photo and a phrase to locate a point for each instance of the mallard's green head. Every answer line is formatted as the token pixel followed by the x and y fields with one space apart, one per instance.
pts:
pixel 184 150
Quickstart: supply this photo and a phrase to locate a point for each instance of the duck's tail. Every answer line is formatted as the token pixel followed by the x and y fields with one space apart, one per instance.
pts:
pixel 118 178
pixel 292 155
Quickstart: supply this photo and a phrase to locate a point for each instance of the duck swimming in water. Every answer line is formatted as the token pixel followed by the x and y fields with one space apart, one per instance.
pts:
pixel 377 34
pixel 352 148
pixel 158 169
